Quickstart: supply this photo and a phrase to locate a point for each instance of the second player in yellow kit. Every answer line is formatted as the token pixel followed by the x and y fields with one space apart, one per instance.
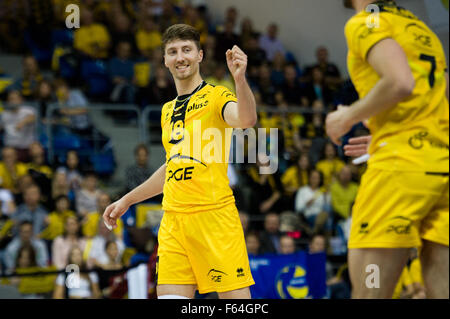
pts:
pixel 398 67
pixel 404 194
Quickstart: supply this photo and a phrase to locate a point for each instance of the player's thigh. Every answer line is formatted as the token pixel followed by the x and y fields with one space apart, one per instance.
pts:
pixel 389 209
pixel 217 251
pixel 173 266
pixel 435 226
pixel 187 291
pixel 374 272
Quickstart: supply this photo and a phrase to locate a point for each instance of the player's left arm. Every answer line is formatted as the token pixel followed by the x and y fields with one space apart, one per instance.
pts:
pixel 396 83
pixel 240 114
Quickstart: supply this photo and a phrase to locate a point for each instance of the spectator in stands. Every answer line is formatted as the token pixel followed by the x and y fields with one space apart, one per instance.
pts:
pixel 297 175
pixel 19 123
pixel 231 17
pixel 45 96
pixel 91 39
pixel 253 243
pixel 265 87
pixel 63 244
pixel 224 41
pixel 25 237
pixel 28 84
pixel 267 189
pixel 193 18
pixel 39 169
pixel 26 257
pixel 287 245
pixel 61 187
pixel 136 174
pixel 331 73
pixel 221 77
pixel 121 73
pixel 256 55
pixel 278 64
pixel 25 261
pixel 330 165
pixel 317 244
pixel 148 37
pixel 90 224
pixel 270 43
pixel 56 219
pixel 23 182
pixel 31 210
pixel 88 287
pixel 343 194
pixel 208 64
pixel 291 87
pixel 73 104
pixel 122 31
pixel 317 92
pixel 245 221
pixel 11 169
pixel 97 248
pixel 290 223
pixel 86 197
pixel 161 88
pixel 270 237
pixel 247 33
pixel 114 256
pixel 166 14
pixel 310 203
pixel 71 169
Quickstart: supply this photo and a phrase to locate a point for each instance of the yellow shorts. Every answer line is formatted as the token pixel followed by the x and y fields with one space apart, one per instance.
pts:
pixel 395 209
pixel 206 249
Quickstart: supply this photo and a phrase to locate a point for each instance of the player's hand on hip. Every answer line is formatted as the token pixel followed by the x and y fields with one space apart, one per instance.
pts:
pixel 357 146
pixel 237 62
pixel 114 212
pixel 338 124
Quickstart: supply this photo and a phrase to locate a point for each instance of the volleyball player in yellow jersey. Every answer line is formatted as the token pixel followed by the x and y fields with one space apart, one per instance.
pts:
pixel 399 70
pixel 201 240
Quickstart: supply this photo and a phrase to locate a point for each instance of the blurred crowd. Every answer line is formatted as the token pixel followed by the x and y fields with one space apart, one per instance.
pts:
pixel 51 209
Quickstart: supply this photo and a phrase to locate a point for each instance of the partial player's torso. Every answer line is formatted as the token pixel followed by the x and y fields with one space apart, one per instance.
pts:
pixel 413 135
pixel 197 143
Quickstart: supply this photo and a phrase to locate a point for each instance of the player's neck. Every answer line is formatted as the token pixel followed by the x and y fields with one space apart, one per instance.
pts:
pixel 189 85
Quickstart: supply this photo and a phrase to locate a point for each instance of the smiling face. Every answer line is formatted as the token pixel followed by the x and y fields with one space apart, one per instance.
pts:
pixel 182 58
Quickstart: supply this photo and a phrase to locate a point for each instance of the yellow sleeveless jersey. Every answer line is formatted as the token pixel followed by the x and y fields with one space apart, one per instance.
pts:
pixel 197 142
pixel 413 135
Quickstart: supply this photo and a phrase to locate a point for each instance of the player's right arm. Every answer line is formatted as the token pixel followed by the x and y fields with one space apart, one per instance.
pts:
pixel 153 186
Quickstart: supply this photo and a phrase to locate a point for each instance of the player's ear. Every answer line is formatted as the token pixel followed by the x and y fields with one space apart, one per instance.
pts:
pixel 200 56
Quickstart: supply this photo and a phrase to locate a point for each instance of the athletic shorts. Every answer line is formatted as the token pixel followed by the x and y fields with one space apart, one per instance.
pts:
pixel 395 209
pixel 206 249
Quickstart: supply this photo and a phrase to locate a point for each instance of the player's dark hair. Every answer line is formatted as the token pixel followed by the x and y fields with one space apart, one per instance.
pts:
pixel 180 32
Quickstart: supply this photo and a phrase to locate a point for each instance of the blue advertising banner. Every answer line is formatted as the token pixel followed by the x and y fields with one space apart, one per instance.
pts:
pixel 296 276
